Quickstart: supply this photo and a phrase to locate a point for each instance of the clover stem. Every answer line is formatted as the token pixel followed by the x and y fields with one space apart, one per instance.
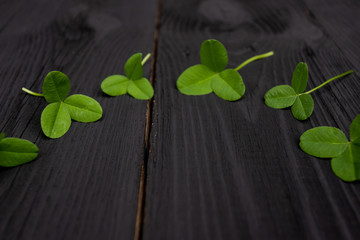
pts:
pixel 145 59
pixel 32 93
pixel 331 79
pixel 254 58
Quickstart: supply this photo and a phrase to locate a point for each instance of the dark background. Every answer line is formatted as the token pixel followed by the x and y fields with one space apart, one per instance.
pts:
pixel 211 169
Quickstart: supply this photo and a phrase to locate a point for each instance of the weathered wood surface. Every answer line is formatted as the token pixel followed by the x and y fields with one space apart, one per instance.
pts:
pixel 216 169
pixel 220 170
pixel 84 185
pixel 340 21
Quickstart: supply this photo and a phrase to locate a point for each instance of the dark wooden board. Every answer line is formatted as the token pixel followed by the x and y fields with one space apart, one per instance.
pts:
pixel 221 170
pixel 340 20
pixel 216 170
pixel 84 185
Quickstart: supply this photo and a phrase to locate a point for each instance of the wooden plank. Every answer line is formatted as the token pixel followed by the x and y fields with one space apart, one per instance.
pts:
pixel 84 185
pixel 340 20
pixel 233 170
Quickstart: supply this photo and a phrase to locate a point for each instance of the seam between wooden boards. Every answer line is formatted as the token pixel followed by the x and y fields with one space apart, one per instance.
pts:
pixel 140 215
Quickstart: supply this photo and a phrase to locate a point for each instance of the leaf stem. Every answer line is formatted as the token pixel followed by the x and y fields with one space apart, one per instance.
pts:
pixel 32 93
pixel 331 79
pixel 145 59
pixel 254 58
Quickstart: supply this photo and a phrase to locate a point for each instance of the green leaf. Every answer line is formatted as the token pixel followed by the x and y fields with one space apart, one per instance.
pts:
pixel 355 129
pixel 56 87
pixel 210 76
pixel 323 142
pixel 141 89
pixel 347 165
pixel 195 80
pixel 83 108
pixel 55 120
pixel 331 142
pixel 56 117
pixel 300 78
pixel 134 84
pixel 133 67
pixel 2 135
pixel 115 85
pixel 16 151
pixel 303 107
pixel 281 96
pixel 213 55
pixel 228 85
pixel 302 104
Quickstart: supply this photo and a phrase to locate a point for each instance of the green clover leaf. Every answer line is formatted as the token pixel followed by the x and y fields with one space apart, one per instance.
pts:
pixel 213 55
pixel 347 165
pixel 330 142
pixel 196 80
pixel 56 117
pixel 324 142
pixel 133 67
pixel 55 120
pixel 281 96
pixel 228 85
pixel 211 75
pixel 83 108
pixel 141 89
pixel 2 136
pixel 355 129
pixel 133 83
pixel 56 87
pixel 115 85
pixel 300 78
pixel 16 151
pixel 301 103
pixel 303 106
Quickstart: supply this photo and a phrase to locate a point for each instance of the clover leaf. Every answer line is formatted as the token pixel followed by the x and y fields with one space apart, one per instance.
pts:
pixel 228 85
pixel 330 142
pixel 133 83
pixel 56 87
pixel 55 120
pixel 324 142
pixel 213 55
pixel 2 136
pixel 301 103
pixel 16 151
pixel 56 117
pixel 211 75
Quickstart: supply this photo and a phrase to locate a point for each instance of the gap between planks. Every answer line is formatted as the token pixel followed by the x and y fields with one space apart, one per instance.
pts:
pixel 149 109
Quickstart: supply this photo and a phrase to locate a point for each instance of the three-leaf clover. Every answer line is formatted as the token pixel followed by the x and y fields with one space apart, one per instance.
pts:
pixel 330 142
pixel 56 117
pixel 301 103
pixel 16 151
pixel 211 75
pixel 133 83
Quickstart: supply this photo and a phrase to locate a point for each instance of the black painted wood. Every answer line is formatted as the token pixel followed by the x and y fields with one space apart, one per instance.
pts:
pixel 217 170
pixel 85 184
pixel 222 170
pixel 340 20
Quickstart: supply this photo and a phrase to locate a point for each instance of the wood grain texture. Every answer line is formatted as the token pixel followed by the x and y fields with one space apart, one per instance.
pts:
pixel 85 184
pixel 340 20
pixel 233 170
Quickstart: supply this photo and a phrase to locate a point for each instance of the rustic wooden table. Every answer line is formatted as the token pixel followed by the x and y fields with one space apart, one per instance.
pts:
pixel 211 169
